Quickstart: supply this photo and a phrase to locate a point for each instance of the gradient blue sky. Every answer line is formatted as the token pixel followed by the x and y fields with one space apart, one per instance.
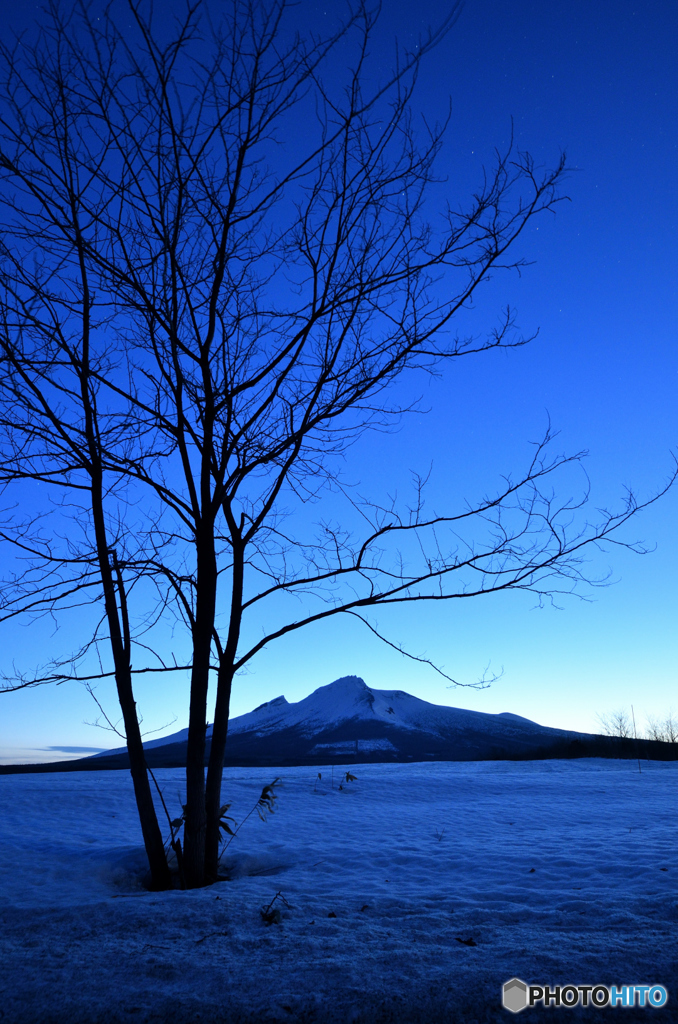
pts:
pixel 600 81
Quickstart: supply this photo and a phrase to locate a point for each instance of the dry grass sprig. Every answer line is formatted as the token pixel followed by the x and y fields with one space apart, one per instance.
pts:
pixel 264 806
pixel 271 914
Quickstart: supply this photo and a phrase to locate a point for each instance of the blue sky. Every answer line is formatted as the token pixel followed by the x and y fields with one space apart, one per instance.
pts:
pixel 598 80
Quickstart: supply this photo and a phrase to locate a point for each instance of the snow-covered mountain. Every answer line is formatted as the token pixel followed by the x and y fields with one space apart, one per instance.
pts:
pixel 348 721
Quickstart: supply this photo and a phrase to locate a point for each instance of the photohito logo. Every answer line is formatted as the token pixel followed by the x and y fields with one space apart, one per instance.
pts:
pixel 517 995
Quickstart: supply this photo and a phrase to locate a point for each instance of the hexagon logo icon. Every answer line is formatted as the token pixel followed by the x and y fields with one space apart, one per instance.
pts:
pixel 514 995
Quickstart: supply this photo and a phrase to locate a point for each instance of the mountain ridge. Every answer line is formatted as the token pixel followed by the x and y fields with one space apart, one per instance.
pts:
pixel 346 720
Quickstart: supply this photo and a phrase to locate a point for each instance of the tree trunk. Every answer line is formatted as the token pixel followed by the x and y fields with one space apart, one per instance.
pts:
pixel 118 619
pixel 195 818
pixel 116 610
pixel 148 819
pixel 221 712
pixel 120 647
pixel 150 829
pixel 215 770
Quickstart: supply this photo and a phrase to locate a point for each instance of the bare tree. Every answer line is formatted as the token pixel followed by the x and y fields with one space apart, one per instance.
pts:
pixel 663 730
pixel 55 434
pixel 218 253
pixel 617 723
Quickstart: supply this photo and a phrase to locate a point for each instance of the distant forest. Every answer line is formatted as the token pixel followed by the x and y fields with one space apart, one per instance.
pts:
pixel 174 756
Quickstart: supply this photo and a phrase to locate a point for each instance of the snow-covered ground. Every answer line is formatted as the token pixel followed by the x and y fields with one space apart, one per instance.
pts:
pixel 560 872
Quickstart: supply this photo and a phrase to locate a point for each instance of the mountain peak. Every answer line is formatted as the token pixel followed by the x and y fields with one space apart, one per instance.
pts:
pixel 347 683
pixel 347 719
pixel 276 702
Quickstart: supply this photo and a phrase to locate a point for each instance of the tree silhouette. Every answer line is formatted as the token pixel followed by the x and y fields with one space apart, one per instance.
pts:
pixel 218 258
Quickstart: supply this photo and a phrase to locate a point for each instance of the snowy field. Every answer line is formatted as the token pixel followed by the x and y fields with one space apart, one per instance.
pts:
pixel 560 872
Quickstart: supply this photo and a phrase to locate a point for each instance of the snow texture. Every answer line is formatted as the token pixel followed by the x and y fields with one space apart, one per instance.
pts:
pixel 560 872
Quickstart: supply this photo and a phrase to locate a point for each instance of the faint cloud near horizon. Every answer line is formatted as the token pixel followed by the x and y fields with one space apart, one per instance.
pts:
pixel 75 750
pixel 41 755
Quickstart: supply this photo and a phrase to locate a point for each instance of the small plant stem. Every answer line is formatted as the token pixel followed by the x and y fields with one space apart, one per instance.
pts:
pixel 260 802
pixel 175 843
pixel 162 800
pixel 226 845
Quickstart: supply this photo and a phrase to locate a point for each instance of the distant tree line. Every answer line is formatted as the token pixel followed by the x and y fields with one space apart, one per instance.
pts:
pixel 618 739
pixel 620 724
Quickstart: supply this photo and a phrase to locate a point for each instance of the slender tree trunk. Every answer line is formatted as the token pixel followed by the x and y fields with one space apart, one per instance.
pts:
pixel 116 614
pixel 150 829
pixel 195 819
pixel 221 712
pixel 121 643
pixel 148 819
pixel 215 770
